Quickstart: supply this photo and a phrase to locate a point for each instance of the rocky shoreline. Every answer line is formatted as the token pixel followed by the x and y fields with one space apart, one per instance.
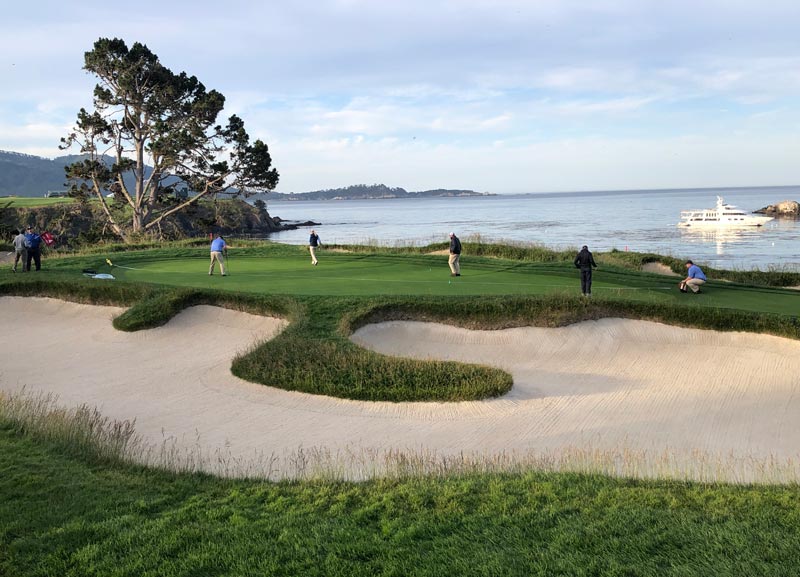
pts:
pixel 77 223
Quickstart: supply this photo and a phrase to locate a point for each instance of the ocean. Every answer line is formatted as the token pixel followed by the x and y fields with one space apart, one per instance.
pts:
pixel 642 221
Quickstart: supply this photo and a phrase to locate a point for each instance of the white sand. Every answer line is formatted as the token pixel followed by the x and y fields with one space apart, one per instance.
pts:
pixel 658 268
pixel 611 385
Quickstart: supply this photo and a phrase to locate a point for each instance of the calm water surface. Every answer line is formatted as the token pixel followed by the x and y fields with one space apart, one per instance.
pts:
pixel 640 221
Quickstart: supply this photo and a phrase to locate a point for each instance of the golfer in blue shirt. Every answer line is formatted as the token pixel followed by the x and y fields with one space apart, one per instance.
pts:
pixel 218 249
pixel 694 278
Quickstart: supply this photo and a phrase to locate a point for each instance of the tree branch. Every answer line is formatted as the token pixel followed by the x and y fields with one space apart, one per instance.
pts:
pixel 99 193
pixel 194 199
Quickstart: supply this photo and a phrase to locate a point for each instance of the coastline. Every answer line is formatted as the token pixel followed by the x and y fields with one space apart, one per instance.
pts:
pixel 603 221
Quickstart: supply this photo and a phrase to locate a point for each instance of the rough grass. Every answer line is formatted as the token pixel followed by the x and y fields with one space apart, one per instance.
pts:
pixel 314 356
pixel 626 260
pixel 559 310
pixel 476 246
pixel 774 277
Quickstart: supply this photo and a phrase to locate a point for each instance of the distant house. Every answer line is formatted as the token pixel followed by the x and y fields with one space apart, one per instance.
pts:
pixel 55 194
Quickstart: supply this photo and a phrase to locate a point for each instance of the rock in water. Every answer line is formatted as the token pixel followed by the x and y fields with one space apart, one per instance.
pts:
pixel 783 208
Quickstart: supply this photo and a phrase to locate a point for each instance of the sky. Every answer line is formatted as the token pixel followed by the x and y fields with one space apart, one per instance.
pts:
pixel 501 96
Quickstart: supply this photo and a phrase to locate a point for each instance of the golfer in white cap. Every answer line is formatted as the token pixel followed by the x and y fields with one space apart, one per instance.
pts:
pixel 455 254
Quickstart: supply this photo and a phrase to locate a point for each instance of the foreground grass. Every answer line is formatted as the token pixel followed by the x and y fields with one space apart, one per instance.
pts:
pixel 69 516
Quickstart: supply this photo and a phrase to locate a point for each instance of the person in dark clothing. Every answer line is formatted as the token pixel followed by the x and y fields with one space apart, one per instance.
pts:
pixel 34 245
pixel 313 244
pixel 585 262
pixel 455 255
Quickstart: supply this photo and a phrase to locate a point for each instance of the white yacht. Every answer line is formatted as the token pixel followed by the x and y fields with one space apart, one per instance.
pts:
pixel 724 215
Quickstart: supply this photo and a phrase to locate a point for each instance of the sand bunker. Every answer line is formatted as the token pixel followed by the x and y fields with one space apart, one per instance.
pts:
pixel 622 387
pixel 658 268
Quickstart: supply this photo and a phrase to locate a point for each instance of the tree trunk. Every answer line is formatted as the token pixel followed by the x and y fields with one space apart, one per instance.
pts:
pixel 137 220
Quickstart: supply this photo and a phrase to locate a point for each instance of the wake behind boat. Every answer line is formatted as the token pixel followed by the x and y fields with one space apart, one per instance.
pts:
pixel 724 215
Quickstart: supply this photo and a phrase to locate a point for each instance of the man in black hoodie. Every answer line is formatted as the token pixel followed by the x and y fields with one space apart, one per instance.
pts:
pixel 455 255
pixel 585 262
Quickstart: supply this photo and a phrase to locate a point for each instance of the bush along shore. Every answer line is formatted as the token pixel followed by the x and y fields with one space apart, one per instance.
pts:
pixel 78 224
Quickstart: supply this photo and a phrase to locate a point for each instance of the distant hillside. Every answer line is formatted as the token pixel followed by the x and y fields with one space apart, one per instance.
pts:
pixel 31 176
pixel 28 175
pixel 373 191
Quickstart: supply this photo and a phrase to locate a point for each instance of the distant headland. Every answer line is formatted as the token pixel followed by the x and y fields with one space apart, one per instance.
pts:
pixel 370 192
pixel 33 176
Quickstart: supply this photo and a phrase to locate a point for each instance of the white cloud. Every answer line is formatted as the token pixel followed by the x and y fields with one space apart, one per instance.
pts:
pixel 495 94
pixel 563 165
pixel 615 106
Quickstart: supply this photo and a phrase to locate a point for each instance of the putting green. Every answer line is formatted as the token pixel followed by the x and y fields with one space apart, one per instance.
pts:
pixel 347 274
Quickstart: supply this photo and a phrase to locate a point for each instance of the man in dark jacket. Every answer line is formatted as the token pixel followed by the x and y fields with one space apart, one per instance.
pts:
pixel 455 255
pixel 585 262
pixel 313 245
pixel 34 245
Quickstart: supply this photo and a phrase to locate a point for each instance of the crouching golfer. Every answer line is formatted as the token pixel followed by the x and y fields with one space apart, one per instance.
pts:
pixel 585 262
pixel 695 278
pixel 218 249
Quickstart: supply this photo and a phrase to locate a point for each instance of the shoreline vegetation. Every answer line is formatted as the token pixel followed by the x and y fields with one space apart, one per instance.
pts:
pixel 78 225
pixel 472 518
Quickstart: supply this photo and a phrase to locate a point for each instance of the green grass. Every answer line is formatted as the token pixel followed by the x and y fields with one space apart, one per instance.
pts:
pixel 284 269
pixel 67 516
pixel 774 276
pixel 31 202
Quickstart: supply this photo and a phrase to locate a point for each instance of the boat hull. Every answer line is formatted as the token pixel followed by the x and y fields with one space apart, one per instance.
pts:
pixel 755 223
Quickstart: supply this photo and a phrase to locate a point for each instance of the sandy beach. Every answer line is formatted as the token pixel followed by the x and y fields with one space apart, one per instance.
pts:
pixel 662 395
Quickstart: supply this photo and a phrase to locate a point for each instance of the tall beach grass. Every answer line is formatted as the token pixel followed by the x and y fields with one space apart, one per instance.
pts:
pixel 84 433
